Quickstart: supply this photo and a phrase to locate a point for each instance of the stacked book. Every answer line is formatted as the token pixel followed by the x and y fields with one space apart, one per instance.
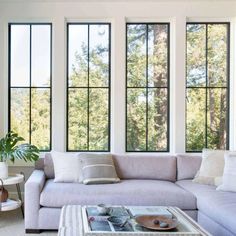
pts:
pixel 151 211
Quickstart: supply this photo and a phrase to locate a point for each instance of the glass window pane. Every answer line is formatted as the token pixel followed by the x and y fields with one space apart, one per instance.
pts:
pixel 196 51
pixel 41 55
pixel 98 55
pixel 40 118
pixel 20 55
pixel 217 118
pixel 207 45
pixel 78 55
pixel 136 55
pixel 196 105
pixel 157 119
pixel 157 55
pixel 136 119
pixel 217 55
pixel 88 107
pixel 77 119
pixel 30 67
pixel 20 112
pixel 98 119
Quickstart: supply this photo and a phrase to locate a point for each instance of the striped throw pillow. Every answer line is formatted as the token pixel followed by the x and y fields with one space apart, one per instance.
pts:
pixel 97 169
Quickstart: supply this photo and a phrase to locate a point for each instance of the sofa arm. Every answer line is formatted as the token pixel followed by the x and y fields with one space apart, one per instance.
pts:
pixel 33 188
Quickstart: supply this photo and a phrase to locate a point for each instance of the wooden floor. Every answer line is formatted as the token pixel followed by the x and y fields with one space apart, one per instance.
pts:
pixel 12 224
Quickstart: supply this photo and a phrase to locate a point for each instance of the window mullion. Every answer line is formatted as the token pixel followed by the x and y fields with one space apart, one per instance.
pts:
pixel 30 91
pixel 146 87
pixel 88 88
pixel 207 84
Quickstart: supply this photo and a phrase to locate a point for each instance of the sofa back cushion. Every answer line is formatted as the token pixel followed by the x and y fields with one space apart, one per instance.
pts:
pixel 187 166
pixel 134 166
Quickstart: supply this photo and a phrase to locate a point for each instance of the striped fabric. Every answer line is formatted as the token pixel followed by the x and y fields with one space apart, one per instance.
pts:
pixel 97 169
pixel 70 220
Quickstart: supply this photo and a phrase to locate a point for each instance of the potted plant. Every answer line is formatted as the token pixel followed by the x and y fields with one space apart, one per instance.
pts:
pixel 11 150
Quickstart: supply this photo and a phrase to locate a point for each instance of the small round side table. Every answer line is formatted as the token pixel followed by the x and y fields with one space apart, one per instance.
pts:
pixel 12 204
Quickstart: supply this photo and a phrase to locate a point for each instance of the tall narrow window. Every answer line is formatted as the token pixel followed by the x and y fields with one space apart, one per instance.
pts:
pixel 147 87
pixel 207 115
pixel 88 87
pixel 30 82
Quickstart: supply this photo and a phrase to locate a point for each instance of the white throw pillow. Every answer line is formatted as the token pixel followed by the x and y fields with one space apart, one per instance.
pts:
pixel 229 176
pixel 66 167
pixel 212 167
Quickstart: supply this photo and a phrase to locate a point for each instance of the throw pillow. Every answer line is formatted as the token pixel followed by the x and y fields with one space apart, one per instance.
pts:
pixel 97 169
pixel 66 167
pixel 229 176
pixel 48 166
pixel 212 166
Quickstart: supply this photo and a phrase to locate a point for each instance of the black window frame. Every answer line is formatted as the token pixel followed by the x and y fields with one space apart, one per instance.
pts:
pixel 87 87
pixel 206 87
pixel 147 87
pixel 30 78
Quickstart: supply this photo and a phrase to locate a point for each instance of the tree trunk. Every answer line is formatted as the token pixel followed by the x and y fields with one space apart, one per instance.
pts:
pixel 160 80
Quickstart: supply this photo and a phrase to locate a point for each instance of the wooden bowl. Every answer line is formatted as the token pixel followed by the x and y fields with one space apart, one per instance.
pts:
pixel 153 222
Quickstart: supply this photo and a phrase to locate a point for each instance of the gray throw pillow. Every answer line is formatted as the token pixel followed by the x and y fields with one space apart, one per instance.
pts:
pixel 97 169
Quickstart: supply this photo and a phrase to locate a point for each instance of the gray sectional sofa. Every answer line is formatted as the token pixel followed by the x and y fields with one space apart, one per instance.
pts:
pixel 146 179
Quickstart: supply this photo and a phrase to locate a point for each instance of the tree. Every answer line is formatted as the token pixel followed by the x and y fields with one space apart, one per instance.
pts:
pixel 147 81
pixel 207 86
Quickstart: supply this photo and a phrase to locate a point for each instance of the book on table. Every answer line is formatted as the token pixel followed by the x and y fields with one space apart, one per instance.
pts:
pixel 152 211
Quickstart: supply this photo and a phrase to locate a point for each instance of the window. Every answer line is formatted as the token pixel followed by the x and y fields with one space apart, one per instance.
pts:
pixel 30 83
pixel 88 87
pixel 207 86
pixel 147 87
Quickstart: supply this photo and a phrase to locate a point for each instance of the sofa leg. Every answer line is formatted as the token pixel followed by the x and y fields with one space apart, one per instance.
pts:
pixel 32 231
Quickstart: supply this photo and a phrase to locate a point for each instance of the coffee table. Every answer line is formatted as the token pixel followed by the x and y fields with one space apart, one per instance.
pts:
pixel 75 221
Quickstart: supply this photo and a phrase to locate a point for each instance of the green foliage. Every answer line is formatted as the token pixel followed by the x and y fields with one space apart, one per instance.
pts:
pixel 147 81
pixel 206 86
pixel 88 109
pixel 9 150
pixel 40 115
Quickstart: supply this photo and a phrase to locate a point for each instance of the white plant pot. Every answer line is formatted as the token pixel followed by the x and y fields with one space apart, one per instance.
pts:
pixel 3 170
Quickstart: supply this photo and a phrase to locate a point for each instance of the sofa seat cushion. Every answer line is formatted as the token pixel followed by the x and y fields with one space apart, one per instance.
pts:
pixel 127 192
pixel 217 205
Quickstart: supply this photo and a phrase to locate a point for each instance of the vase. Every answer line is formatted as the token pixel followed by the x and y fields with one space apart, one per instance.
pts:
pixel 3 170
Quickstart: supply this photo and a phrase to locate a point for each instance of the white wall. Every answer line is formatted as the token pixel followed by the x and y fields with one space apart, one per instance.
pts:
pixel 177 13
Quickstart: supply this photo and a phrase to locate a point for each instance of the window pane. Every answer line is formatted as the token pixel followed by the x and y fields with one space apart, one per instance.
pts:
pixel 20 55
pixel 20 112
pixel 147 87
pixel 157 55
pixel 78 55
pixel 217 118
pixel 217 55
pixel 98 119
pixel 136 55
pixel 196 105
pixel 40 118
pixel 77 119
pixel 208 127
pixel 157 119
pixel 196 59
pixel 41 55
pixel 30 71
pixel 89 101
pixel 136 120
pixel 99 55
